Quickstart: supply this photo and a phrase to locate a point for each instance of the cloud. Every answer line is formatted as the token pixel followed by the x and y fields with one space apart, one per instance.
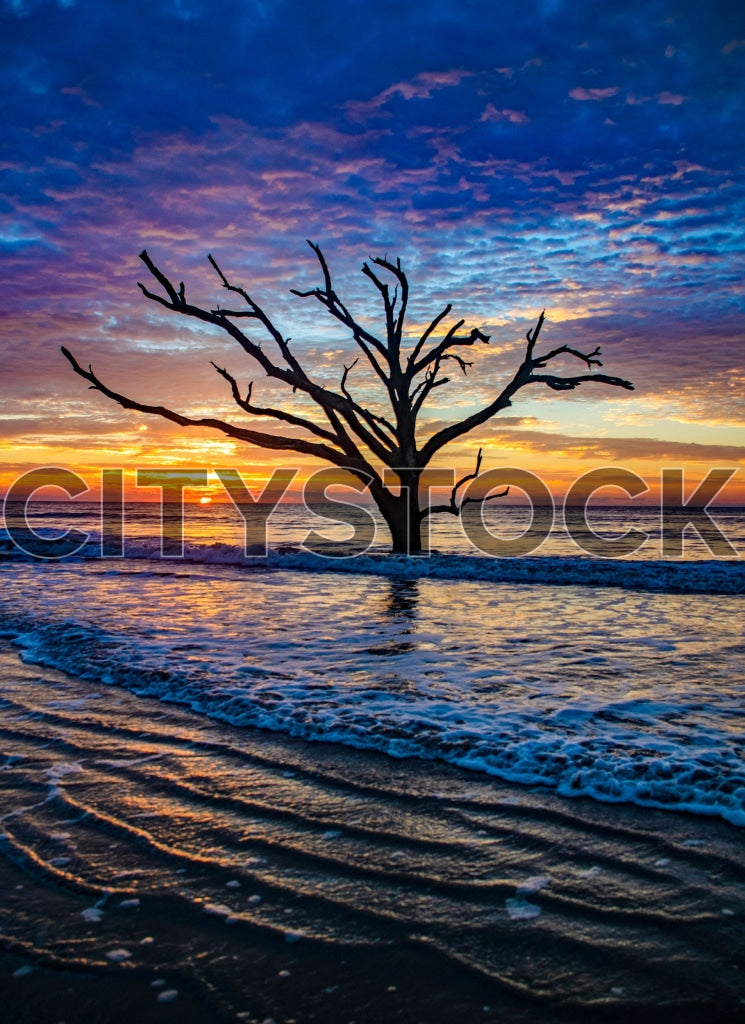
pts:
pixel 664 98
pixel 580 93
pixel 670 99
pixel 80 92
pixel 732 45
pixel 422 86
pixel 616 449
pixel 513 116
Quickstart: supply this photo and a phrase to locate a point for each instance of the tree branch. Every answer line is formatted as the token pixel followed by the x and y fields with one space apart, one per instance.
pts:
pixel 160 277
pixel 523 377
pixel 373 421
pixel 293 375
pixel 272 441
pixel 403 284
pixel 453 508
pixel 343 385
pixel 532 336
pixel 423 340
pixel 585 357
pixel 569 383
pixel 387 305
pixel 366 341
pixel 277 414
pixel 421 392
pixel 451 340
pixel 255 311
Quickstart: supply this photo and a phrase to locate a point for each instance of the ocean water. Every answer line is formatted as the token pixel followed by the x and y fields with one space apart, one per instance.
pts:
pixel 146 848
pixel 615 679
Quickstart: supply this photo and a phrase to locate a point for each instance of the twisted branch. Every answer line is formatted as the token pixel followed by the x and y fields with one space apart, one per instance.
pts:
pixel 521 379
pixel 271 441
pixel 453 508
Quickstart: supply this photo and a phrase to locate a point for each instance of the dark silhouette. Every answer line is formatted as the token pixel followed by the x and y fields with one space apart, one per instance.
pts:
pixel 349 435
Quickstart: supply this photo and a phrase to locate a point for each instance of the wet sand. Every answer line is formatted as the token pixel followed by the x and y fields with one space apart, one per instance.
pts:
pixel 159 866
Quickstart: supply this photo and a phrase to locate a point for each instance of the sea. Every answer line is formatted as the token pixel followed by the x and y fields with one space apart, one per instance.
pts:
pixel 618 679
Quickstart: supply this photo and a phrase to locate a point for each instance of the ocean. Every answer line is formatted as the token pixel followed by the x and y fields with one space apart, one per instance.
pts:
pixel 309 785
pixel 615 679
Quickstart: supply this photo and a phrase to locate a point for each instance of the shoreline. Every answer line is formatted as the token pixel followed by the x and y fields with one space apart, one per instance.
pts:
pixel 697 576
pixel 393 890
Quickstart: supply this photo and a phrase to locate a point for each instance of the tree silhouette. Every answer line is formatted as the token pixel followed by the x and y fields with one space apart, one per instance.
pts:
pixel 349 435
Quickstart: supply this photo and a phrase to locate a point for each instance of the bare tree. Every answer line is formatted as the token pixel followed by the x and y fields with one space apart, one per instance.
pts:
pixel 348 434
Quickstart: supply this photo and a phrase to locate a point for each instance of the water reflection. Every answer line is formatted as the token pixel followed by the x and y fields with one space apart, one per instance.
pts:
pixel 403 599
pixel 399 608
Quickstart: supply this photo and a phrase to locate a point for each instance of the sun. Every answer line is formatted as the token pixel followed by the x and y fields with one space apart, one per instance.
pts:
pixel 205 500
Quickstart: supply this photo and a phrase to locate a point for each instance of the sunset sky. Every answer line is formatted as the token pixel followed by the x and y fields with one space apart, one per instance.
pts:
pixel 576 156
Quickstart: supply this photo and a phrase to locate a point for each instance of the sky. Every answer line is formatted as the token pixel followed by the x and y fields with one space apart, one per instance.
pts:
pixel 580 157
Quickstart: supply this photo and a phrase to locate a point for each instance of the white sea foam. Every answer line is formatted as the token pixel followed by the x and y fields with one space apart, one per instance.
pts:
pixel 617 694
pixel 699 576
pixel 520 909
pixel 218 910
pixel 118 956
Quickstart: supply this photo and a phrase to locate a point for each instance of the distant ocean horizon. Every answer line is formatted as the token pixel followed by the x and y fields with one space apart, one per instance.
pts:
pixel 290 523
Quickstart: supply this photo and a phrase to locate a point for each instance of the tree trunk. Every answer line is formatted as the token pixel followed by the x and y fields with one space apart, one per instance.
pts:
pixel 402 516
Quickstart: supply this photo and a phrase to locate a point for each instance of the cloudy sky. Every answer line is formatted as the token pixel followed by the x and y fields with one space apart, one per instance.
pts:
pixel 578 156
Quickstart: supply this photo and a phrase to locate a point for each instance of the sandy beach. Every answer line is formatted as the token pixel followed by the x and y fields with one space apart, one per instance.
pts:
pixel 159 866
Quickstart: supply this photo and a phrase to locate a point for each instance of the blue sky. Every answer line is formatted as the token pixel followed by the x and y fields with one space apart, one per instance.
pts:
pixel 581 157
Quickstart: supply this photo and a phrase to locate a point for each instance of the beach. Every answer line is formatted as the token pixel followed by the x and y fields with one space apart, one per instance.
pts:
pixel 243 875
pixel 306 788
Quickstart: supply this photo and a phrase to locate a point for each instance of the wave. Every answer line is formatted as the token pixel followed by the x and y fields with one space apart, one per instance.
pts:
pixel 713 576
pixel 144 844
pixel 611 753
